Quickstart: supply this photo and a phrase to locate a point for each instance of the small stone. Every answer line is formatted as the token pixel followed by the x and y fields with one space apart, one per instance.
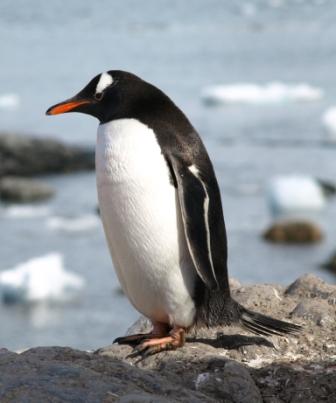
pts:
pixel 234 283
pixel 22 190
pixel 142 325
pixel 293 232
pixel 142 398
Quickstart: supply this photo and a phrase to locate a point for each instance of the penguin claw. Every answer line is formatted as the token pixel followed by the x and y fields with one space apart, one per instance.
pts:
pixel 159 330
pixel 133 339
pixel 144 351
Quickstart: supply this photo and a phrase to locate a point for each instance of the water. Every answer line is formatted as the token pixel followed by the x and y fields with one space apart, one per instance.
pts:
pixel 50 50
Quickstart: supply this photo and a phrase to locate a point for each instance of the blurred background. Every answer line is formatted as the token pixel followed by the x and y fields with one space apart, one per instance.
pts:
pixel 257 80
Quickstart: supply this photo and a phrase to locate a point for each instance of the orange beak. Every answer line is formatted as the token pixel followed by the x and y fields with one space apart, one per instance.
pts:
pixel 66 106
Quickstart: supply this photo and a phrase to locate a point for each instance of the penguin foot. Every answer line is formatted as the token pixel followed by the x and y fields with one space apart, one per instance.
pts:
pixel 159 330
pixel 174 340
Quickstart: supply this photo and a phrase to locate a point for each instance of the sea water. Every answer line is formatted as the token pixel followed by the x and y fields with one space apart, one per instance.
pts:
pixel 50 50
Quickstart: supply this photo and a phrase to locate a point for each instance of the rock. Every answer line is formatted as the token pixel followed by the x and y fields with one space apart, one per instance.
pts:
pixel 315 310
pixel 224 364
pixel 142 325
pixel 310 286
pixel 22 190
pixel 22 155
pixel 57 374
pixel 330 264
pixel 228 381
pixel 293 232
pixel 328 188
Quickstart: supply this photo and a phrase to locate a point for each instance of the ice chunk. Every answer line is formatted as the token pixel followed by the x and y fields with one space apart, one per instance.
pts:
pixel 73 224
pixel 295 194
pixel 270 93
pixel 26 211
pixel 9 101
pixel 329 122
pixel 40 279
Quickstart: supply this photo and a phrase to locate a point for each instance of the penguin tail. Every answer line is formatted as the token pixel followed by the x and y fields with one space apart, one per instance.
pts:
pixel 265 325
pixel 218 310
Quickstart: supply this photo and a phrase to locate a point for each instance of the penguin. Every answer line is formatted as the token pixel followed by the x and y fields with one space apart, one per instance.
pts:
pixel 162 214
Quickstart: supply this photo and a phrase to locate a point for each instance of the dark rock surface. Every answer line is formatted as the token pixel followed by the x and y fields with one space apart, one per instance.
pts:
pixel 330 264
pixel 293 232
pixel 23 190
pixel 216 365
pixel 22 155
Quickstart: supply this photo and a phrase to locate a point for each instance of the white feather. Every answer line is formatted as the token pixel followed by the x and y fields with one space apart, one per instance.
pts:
pixel 194 170
pixel 143 227
pixel 104 81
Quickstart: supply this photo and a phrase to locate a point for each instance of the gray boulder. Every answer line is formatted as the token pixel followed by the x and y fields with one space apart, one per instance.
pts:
pixel 23 155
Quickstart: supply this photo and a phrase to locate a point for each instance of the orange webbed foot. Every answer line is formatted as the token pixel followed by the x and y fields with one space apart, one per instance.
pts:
pixel 174 340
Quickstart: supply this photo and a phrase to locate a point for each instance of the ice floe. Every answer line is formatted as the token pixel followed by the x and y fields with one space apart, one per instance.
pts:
pixel 269 93
pixel 9 101
pixel 73 224
pixel 329 122
pixel 295 194
pixel 40 279
pixel 26 211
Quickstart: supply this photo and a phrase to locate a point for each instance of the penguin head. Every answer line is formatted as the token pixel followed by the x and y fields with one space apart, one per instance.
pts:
pixel 107 96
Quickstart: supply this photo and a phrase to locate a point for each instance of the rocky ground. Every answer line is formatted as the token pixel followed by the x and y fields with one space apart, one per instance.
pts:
pixel 221 365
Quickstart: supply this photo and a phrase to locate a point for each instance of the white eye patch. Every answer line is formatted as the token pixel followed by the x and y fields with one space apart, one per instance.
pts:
pixel 104 81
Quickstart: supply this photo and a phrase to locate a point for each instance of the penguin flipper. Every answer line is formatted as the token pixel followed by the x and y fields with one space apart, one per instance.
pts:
pixel 203 221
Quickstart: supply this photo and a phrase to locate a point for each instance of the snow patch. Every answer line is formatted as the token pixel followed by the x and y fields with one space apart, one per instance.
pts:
pixel 270 93
pixel 39 279
pixel 73 224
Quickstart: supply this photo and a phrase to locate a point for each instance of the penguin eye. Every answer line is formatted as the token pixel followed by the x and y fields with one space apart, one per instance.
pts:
pixel 99 96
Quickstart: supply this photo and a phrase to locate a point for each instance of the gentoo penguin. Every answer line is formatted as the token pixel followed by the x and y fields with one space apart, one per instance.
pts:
pixel 161 210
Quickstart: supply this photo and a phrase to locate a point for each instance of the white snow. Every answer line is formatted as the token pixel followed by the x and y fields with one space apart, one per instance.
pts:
pixel 9 101
pixel 40 279
pixel 294 194
pixel 269 93
pixel 73 224
pixel 26 211
pixel 329 122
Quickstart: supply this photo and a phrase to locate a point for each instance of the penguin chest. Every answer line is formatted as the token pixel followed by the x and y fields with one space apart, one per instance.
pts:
pixel 142 222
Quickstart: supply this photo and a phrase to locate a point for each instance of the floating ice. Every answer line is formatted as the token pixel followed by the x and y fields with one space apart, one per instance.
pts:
pixel 329 122
pixel 295 194
pixel 9 101
pixel 20 211
pixel 39 279
pixel 73 224
pixel 270 93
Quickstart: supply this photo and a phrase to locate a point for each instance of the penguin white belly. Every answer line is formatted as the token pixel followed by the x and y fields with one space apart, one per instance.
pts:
pixel 142 222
